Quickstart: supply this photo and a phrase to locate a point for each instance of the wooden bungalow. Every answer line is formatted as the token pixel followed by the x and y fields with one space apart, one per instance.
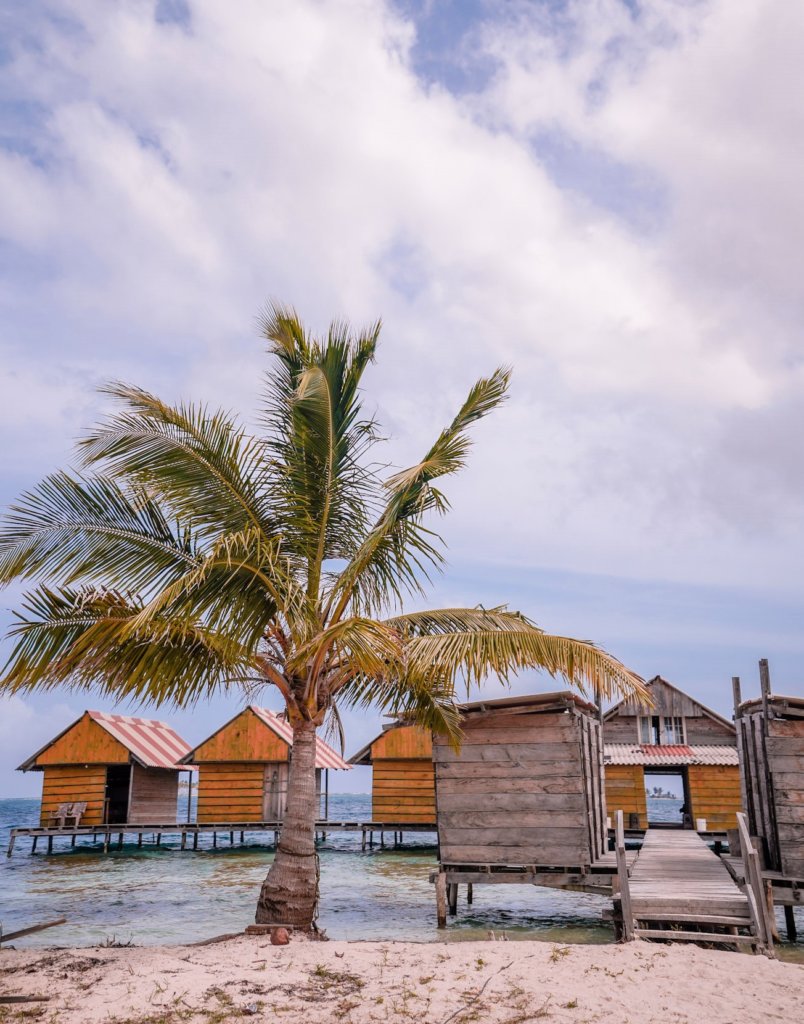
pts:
pixel 770 734
pixel 678 737
pixel 243 768
pixel 123 769
pixel 403 783
pixel 525 791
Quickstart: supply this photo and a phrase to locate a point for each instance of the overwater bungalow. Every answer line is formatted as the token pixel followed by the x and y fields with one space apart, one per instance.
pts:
pixel 523 800
pixel 243 769
pixel 679 738
pixel 115 768
pixel 402 781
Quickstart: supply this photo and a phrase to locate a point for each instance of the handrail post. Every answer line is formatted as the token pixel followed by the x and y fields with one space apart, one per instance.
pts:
pixel 755 890
pixel 622 875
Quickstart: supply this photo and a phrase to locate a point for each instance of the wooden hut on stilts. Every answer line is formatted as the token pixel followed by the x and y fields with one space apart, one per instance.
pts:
pixel 770 742
pixel 402 783
pixel 109 769
pixel 523 800
pixel 243 769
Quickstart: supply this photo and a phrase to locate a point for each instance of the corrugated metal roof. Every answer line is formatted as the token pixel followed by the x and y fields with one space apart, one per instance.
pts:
pixel 633 753
pixel 325 756
pixel 153 743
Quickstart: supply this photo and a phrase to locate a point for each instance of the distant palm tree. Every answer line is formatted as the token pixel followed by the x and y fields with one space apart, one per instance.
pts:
pixel 192 556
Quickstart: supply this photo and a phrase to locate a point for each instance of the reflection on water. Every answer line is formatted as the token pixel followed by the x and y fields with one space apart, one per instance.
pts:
pixel 152 895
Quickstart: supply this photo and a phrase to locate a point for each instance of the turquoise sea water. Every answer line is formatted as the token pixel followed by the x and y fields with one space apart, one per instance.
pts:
pixel 163 895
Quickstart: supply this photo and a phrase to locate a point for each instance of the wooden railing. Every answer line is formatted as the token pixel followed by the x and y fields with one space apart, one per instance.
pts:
pixel 755 888
pixel 622 878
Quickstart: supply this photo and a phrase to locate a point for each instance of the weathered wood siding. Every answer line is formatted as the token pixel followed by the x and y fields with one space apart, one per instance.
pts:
pixel 154 795
pixel 772 769
pixel 403 790
pixel 521 790
pixel 85 743
pixel 245 738
pixel 230 792
pixel 625 791
pixel 71 783
pixel 714 795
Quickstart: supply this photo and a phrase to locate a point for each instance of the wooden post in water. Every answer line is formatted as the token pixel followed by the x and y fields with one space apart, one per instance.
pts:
pixel 452 898
pixel 470 892
pixel 50 844
pixel 33 845
pixel 441 899
pixel 195 840
pixel 790 923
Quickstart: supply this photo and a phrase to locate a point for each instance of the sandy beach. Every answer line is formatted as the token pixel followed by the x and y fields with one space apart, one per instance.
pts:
pixel 431 983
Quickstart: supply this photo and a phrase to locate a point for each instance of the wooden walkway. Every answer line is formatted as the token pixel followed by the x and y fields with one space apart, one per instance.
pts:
pixel 679 890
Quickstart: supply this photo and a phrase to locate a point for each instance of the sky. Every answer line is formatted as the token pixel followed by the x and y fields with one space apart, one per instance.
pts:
pixel 604 194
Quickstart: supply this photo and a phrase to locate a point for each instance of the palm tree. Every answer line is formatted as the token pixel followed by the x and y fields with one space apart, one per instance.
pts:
pixel 191 557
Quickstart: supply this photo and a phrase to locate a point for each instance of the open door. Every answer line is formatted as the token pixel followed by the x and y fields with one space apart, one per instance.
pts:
pixel 667 798
pixel 118 792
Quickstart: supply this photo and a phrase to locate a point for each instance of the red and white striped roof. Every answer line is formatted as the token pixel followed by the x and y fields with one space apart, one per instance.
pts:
pixel 670 754
pixel 325 756
pixel 153 743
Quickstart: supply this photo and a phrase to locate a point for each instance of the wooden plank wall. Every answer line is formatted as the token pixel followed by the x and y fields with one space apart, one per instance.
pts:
pixel 625 791
pixel 67 784
pixel 403 790
pixel 154 795
pixel 515 793
pixel 715 795
pixel 230 792
pixel 758 785
pixel 785 745
pixel 85 743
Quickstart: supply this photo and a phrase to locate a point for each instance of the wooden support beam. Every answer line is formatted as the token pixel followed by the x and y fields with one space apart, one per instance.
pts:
pixel 790 923
pixel 441 899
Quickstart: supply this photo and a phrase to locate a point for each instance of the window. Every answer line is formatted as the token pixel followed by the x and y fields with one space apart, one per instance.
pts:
pixel 655 730
pixel 673 730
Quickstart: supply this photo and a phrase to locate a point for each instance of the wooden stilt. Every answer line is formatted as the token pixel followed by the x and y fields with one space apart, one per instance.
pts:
pixel 105 842
pixel 790 924
pixel 195 840
pixel 139 839
pixel 231 838
pixel 241 838
pixel 158 838
pixel 184 840
pixel 33 845
pixel 441 899
pixel 120 841
pixel 72 841
pixel 452 898
pixel 382 840
pixel 50 844
pixel 214 840
pixel 470 893
pixel 11 845
pixel 362 845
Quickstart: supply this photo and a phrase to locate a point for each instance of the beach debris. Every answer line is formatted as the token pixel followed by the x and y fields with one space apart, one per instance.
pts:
pixel 18 934
pixel 250 1009
pixel 280 937
pixel 23 999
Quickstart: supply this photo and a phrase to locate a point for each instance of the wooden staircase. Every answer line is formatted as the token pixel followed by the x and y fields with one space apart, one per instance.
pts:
pixel 678 890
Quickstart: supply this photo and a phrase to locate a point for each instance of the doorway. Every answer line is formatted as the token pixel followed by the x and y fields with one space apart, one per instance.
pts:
pixel 118 790
pixel 667 797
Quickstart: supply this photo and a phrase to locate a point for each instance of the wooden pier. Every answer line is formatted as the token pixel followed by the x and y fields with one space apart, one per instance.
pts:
pixel 113 836
pixel 678 890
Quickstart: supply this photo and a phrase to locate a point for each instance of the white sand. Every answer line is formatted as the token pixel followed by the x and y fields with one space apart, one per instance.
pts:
pixel 428 983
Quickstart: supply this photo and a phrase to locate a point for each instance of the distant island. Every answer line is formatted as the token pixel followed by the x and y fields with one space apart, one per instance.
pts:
pixel 657 793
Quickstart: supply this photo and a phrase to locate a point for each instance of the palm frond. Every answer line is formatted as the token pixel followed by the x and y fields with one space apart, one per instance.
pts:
pixel 397 554
pixel 80 638
pixel 203 466
pixel 318 437
pixel 471 644
pixel 69 529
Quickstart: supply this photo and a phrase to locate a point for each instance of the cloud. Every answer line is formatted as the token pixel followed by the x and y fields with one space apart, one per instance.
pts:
pixel 611 206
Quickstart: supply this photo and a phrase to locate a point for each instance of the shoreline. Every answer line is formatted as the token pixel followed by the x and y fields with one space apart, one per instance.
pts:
pixel 424 982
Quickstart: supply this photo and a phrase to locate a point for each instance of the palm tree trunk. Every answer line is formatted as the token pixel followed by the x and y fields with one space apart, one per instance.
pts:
pixel 289 893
